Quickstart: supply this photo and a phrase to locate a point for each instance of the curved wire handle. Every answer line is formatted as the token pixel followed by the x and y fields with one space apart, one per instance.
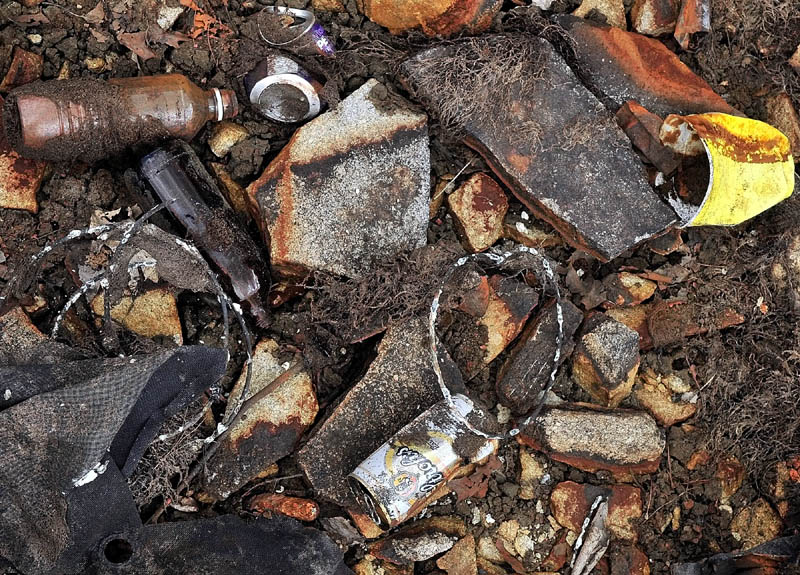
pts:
pixel 497 259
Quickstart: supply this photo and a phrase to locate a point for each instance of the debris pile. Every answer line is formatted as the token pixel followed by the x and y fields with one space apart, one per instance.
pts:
pixel 387 288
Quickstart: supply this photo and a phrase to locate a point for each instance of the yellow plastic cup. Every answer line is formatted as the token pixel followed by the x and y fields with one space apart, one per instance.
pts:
pixel 750 164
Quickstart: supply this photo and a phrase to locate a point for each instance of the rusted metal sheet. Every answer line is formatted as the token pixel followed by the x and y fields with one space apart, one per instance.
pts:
pixel 622 441
pixel 20 178
pixel 643 129
pixel 769 558
pixel 671 322
pixel 433 17
pixel 628 66
pixel 555 146
pixel 24 67
pixel 271 428
pixel 527 370
pixel 350 187
pixel 654 17
pixel 695 16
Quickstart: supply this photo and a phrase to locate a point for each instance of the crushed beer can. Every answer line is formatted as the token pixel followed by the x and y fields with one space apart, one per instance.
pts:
pixel 401 477
pixel 732 168
pixel 294 29
pixel 281 90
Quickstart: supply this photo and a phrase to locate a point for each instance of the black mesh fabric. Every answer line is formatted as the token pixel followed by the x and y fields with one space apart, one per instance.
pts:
pixel 51 441
pixel 225 545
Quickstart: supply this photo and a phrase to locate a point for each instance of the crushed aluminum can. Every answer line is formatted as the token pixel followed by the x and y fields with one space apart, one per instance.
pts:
pixel 401 476
pixel 297 30
pixel 283 91
pixel 732 169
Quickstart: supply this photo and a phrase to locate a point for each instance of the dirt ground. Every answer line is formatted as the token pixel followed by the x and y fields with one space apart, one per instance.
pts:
pixel 747 376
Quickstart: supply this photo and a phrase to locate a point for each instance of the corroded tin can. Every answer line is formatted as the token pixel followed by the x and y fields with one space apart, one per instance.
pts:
pixel 400 478
pixel 282 90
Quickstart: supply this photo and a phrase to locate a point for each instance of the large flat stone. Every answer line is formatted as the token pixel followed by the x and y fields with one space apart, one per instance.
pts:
pixel 350 187
pixel 590 438
pixel 552 142
pixel 399 385
pixel 628 66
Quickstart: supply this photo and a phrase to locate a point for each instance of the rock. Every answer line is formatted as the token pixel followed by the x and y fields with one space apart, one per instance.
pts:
pixel 627 289
pixel 296 507
pixel 782 115
pixel 370 565
pixel 420 541
pixel 351 187
pixel 488 550
pixel 269 430
pixel 730 474
pixel 644 129
pixel 590 438
pixel 399 385
pixel 95 65
pixel 461 559
pixel 783 487
pixel 606 360
pixel 627 66
pixel 366 526
pixel 548 138
pixel 559 554
pixel 20 178
pixel 527 370
pixel 152 313
pixel 756 524
pixel 531 474
pixel 654 17
pixel 628 560
pixel 224 136
pixel 434 17
pixel 23 67
pixel 21 342
pixel 525 232
pixel 328 6
pixel 612 10
pixel 570 503
pixel 694 16
pixel 168 13
pixel 478 207
pixel 235 194
pixel 657 395
pixel 794 61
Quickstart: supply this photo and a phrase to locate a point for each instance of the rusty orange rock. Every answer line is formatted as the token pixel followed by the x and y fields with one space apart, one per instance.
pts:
pixel 627 289
pixel 478 207
pixel 782 115
pixel 695 16
pixel 434 17
pixel 296 507
pixel 629 560
pixel 20 178
pixel 570 503
pixel 655 17
pixel 628 66
pixel 24 67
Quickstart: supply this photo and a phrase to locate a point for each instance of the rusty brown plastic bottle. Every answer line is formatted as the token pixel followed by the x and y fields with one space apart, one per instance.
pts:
pixel 88 119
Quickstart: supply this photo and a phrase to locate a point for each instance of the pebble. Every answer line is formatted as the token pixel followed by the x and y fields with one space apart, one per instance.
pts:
pixel 35 38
